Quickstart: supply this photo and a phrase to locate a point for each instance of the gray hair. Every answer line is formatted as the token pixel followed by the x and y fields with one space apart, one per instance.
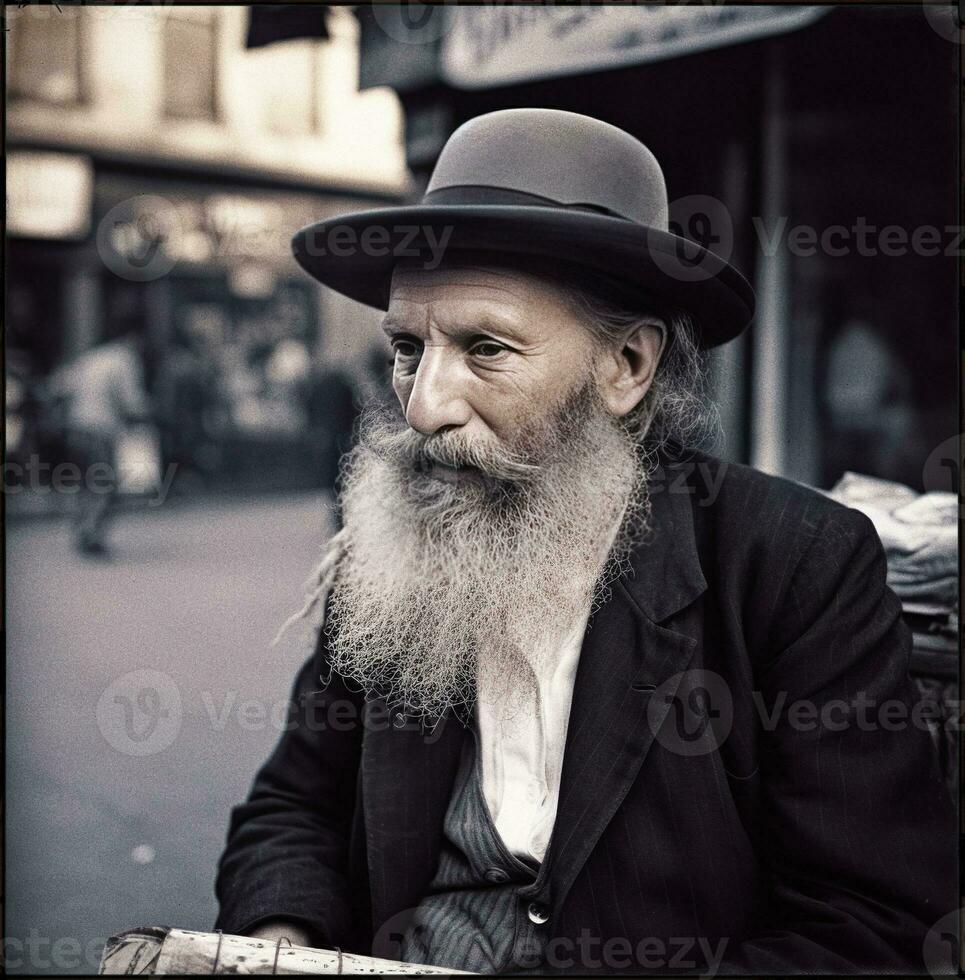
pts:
pixel 675 412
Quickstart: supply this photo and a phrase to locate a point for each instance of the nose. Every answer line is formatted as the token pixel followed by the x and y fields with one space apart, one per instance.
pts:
pixel 436 399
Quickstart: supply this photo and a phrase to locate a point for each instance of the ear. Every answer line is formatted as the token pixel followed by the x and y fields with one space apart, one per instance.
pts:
pixel 628 370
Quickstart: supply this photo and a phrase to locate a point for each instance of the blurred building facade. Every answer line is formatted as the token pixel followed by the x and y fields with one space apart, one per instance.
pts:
pixel 156 170
pixel 814 146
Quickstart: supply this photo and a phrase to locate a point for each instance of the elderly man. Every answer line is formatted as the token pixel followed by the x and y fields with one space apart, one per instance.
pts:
pixel 582 698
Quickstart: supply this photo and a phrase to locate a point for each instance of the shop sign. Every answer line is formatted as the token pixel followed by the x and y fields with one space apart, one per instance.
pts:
pixel 49 195
pixel 144 236
pixel 488 45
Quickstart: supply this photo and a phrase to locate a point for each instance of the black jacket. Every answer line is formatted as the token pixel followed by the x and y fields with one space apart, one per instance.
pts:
pixel 743 770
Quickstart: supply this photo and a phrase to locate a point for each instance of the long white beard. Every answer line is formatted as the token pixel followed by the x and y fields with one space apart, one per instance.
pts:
pixel 440 584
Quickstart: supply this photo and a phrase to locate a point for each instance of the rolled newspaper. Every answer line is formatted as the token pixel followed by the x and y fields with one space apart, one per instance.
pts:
pixel 160 951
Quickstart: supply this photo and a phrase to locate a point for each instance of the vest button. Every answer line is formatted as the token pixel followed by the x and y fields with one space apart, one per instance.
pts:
pixel 538 914
pixel 496 875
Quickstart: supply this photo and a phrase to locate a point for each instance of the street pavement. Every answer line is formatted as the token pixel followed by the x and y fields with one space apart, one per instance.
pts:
pixel 142 694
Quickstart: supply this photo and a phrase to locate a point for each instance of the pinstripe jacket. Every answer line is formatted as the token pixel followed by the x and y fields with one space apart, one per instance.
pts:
pixel 746 785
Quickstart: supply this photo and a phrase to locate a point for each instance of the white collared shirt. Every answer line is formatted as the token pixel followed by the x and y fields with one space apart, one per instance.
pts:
pixel 522 756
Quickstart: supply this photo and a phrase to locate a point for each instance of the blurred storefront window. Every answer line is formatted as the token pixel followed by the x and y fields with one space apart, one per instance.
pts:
pixel 191 38
pixel 235 332
pixel 286 78
pixel 45 55
pixel 49 195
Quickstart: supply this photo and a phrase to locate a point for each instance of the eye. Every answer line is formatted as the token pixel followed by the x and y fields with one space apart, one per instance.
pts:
pixel 404 347
pixel 487 349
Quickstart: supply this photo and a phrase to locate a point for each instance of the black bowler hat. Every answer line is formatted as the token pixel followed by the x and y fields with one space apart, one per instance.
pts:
pixel 543 184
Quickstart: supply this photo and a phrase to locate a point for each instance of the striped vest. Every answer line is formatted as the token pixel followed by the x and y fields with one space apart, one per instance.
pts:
pixel 478 914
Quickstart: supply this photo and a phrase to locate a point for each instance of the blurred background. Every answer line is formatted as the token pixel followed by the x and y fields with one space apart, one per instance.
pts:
pixel 159 159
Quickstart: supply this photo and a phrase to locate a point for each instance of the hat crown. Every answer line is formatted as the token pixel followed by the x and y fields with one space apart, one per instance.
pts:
pixel 564 157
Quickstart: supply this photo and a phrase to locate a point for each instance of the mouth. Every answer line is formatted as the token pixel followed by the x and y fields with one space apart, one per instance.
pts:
pixel 454 475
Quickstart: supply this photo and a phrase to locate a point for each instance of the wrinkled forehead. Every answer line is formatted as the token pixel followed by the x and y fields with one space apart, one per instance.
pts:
pixel 477 293
pixel 473 280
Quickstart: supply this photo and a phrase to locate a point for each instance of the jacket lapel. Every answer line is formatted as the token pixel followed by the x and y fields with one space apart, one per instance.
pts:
pixel 628 674
pixel 407 779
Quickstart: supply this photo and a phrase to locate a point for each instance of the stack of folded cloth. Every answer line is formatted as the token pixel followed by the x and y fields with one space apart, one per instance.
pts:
pixel 920 537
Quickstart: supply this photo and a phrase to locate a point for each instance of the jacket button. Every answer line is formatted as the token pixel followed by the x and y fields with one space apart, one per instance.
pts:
pixel 496 875
pixel 538 914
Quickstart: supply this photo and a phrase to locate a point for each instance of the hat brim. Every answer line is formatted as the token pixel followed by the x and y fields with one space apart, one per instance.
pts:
pixel 355 254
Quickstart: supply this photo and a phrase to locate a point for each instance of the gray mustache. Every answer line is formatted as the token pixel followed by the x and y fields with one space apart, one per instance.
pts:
pixel 407 447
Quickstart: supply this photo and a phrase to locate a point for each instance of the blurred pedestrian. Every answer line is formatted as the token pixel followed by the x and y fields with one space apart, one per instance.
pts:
pixel 187 400
pixel 331 407
pixel 106 395
pixel 870 406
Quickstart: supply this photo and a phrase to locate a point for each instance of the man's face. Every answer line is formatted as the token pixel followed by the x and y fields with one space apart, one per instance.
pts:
pixel 498 505
pixel 485 355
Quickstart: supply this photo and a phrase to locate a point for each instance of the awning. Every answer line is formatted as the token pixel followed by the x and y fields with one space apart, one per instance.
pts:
pixel 487 46
pixel 268 23
pixel 399 45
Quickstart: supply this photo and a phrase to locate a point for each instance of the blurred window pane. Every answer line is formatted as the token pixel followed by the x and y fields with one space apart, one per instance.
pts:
pixel 190 63
pixel 45 54
pixel 285 78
